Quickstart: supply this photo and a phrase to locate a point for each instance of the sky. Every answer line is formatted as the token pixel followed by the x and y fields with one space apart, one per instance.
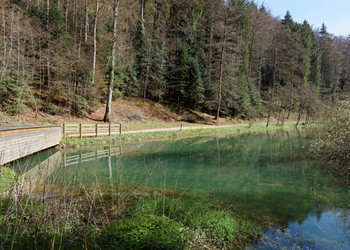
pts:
pixel 334 13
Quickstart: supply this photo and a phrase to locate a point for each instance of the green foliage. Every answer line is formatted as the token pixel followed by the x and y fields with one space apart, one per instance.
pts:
pixel 80 106
pixel 186 74
pixel 55 20
pixel 181 52
pixel 50 109
pixel 333 144
pixel 146 231
pixel 12 96
pixel 8 179
pixel 219 226
pixel 142 57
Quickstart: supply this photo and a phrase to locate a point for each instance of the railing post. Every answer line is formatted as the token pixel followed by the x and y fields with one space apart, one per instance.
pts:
pixel 120 129
pixel 64 130
pixel 181 127
pixel 96 129
pixel 81 130
pixel 109 129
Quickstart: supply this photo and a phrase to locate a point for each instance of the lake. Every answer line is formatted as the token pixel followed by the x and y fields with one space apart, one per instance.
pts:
pixel 263 174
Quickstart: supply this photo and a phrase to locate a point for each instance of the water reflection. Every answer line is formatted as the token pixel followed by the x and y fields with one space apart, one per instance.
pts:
pixel 257 174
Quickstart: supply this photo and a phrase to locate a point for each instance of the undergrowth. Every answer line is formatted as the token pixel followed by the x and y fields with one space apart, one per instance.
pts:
pixel 119 218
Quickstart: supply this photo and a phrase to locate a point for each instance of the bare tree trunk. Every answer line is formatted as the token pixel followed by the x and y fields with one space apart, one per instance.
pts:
pixel 210 52
pixel 86 20
pixel 279 115
pixel 24 79
pixel 272 87
pixel 95 45
pixel 66 14
pixel 221 72
pixel 142 10
pixel 299 117
pixel 307 116
pixel 111 78
pixel 4 39
pixel 47 10
pixel 7 61
pixel 48 70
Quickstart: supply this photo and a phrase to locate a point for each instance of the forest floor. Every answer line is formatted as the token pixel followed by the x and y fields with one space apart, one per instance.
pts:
pixel 133 114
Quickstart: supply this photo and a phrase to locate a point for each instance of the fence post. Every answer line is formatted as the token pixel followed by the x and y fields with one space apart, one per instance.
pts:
pixel 109 129
pixel 96 129
pixel 64 130
pixel 81 130
pixel 120 129
pixel 181 127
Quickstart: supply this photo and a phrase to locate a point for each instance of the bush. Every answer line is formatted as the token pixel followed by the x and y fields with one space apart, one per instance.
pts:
pixel 218 226
pixel 11 95
pixel 50 109
pixel 7 179
pixel 145 232
pixel 333 144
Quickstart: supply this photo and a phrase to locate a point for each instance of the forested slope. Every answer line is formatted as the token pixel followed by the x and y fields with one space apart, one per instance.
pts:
pixel 226 58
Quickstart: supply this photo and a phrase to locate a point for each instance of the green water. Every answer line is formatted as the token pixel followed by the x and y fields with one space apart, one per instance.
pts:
pixel 267 174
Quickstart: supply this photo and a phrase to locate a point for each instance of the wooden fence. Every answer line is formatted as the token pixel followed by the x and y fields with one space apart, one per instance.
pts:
pixel 91 130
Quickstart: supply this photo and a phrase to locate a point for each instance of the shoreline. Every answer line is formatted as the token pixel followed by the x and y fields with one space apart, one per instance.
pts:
pixel 165 134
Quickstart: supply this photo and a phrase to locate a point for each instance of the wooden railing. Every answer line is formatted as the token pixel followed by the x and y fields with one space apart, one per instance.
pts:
pixel 90 156
pixel 91 130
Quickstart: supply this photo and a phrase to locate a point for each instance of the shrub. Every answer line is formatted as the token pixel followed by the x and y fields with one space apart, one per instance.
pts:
pixel 7 179
pixel 145 232
pixel 218 226
pixel 50 109
pixel 333 144
pixel 11 96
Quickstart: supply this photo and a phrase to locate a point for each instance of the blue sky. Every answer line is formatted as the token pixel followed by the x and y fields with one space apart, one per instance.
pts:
pixel 334 13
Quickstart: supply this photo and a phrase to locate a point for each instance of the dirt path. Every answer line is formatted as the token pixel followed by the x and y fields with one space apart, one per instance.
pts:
pixel 186 128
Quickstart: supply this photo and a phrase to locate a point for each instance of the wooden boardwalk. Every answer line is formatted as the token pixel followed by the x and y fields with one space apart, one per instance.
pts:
pixel 19 141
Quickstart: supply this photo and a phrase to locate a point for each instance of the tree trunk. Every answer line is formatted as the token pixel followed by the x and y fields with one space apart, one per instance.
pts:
pixel 86 20
pixel 221 72
pixel 299 117
pixel 47 10
pixel 273 86
pixel 66 14
pixel 142 10
pixel 95 45
pixel 111 78
pixel 210 52
pixel 4 39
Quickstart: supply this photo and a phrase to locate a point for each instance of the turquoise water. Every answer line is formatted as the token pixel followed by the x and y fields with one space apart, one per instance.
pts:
pixel 267 174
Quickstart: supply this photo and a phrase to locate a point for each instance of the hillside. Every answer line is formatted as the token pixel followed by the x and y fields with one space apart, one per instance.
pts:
pixel 69 60
pixel 131 112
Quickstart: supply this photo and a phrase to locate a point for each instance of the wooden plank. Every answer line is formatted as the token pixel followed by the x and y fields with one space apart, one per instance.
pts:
pixel 17 143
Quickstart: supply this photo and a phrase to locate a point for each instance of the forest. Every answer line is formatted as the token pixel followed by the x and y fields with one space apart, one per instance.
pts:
pixel 226 58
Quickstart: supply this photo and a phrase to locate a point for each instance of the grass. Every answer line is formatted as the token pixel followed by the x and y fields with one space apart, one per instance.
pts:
pixel 167 135
pixel 130 126
pixel 114 217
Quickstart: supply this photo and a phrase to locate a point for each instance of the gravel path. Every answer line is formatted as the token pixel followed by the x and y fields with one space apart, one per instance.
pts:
pixel 182 128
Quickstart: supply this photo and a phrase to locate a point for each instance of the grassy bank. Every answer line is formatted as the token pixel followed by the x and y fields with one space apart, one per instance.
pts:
pixel 166 135
pixel 102 217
